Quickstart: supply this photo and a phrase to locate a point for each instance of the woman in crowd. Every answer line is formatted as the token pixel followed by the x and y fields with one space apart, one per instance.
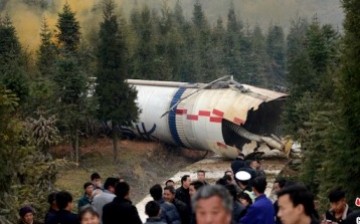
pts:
pixel 89 216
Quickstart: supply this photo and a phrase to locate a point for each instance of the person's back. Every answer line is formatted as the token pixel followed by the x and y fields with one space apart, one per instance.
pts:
pixel 106 196
pixel 152 209
pixel 262 211
pixel 64 202
pixel 121 209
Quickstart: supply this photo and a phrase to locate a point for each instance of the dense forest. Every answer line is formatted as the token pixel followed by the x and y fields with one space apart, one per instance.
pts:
pixel 45 87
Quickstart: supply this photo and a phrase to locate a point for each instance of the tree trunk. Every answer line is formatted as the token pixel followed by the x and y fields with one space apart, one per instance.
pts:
pixel 77 150
pixel 115 139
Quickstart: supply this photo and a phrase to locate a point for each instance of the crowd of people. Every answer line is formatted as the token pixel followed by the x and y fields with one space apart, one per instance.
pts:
pixel 236 198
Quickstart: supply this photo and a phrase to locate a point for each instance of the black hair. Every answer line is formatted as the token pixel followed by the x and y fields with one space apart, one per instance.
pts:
pixel 281 181
pixel 51 198
pixel 122 189
pixel 169 181
pixel 87 184
pixel 184 178
pixel 197 184
pixel 232 190
pixel 245 195
pixel 259 183
pixel 201 171
pixel 156 192
pixel 63 198
pixel 170 188
pixel 299 194
pixel 336 194
pixel 88 209
pixel 110 182
pixel 152 209
pixel 95 176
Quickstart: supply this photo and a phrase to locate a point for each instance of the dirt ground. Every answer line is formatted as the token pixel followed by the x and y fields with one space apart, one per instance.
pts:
pixel 141 163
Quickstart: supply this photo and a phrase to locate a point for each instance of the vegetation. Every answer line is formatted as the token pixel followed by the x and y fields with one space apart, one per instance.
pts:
pixel 74 86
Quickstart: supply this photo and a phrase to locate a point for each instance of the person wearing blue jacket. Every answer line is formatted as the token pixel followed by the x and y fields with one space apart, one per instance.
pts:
pixel 262 210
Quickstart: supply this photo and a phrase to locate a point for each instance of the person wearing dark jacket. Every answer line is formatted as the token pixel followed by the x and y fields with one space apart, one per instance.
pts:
pixel 152 209
pixel 169 196
pixel 182 193
pixel 339 208
pixel 168 213
pixel 121 209
pixel 26 214
pixel 65 204
pixel 53 209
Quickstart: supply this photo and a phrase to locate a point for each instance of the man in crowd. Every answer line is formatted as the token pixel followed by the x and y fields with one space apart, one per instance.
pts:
pixel 65 204
pixel 296 205
pixel 212 205
pixel 121 209
pixel 262 210
pixel 194 186
pixel 182 193
pixel 86 199
pixel 183 210
pixel 339 208
pixel 96 181
pixel 201 176
pixel 168 213
pixel 152 209
pixel 170 183
pixel 26 214
pixel 278 185
pixel 51 213
pixel 105 196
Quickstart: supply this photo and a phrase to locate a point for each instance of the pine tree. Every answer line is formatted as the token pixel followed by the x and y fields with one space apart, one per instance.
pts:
pixel 116 97
pixel 12 61
pixel 70 80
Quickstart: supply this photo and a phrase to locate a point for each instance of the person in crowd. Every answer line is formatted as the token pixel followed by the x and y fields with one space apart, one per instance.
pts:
pixel 243 179
pixel 278 185
pixel 121 209
pixel 183 210
pixel 256 166
pixel 105 196
pixel 201 176
pixel 26 214
pixel 96 181
pixel 237 206
pixel 296 205
pixel 64 201
pixel 53 208
pixel 245 201
pixel 212 205
pixel 194 186
pixel 86 199
pixel 152 209
pixel 88 215
pixel 170 183
pixel 169 213
pixel 238 163
pixel 339 209
pixel 262 210
pixel 225 180
pixel 353 218
pixel 182 193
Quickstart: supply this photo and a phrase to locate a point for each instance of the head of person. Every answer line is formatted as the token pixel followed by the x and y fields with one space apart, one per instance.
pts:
pixel 122 190
pixel 51 199
pixel 201 175
pixel 89 216
pixel 279 184
pixel 212 205
pixel 245 198
pixel 88 188
pixel 254 164
pixel 185 181
pixel 229 173
pixel 194 187
pixel 169 183
pixel 259 185
pixel 156 192
pixel 96 180
pixel 110 184
pixel 337 200
pixel 152 209
pixel 64 200
pixel 296 204
pixel 225 180
pixel 243 178
pixel 26 214
pixel 169 193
